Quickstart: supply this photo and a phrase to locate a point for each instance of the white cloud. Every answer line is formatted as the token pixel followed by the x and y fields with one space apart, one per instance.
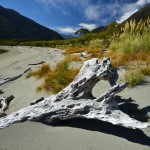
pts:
pixel 101 11
pixel 68 30
pixel 84 7
pixel 92 12
pixel 141 2
pixel 88 26
pixel 126 16
pixel 72 30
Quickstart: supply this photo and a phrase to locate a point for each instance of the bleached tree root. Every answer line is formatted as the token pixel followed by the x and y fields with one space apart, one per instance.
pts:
pixel 4 103
pixel 77 101
pixel 13 78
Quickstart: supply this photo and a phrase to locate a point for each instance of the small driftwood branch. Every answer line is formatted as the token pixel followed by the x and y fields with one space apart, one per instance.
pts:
pixel 84 55
pixel 1 92
pixel 42 62
pixel 4 104
pixel 77 101
pixel 13 78
pixel 37 101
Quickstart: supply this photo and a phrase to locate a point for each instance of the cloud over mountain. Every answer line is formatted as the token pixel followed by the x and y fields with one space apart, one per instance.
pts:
pixel 96 10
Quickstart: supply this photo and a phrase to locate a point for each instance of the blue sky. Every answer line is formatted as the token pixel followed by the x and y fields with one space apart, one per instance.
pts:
pixel 66 16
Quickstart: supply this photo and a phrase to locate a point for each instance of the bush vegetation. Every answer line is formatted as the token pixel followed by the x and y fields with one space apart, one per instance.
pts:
pixel 136 76
pixel 54 80
pixel 134 37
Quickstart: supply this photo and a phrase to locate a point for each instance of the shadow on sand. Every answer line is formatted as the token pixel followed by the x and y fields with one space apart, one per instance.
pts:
pixel 129 107
pixel 132 135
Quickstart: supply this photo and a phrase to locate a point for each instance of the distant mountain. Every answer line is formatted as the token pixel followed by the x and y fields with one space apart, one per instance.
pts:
pixel 15 26
pixel 67 37
pixel 143 14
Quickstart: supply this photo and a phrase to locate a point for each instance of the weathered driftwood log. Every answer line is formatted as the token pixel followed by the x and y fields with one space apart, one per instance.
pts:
pixel 13 78
pixel 42 62
pixel 77 101
pixel 4 103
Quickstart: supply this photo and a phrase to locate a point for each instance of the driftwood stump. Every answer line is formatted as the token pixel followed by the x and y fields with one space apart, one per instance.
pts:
pixel 1 92
pixel 4 103
pixel 77 101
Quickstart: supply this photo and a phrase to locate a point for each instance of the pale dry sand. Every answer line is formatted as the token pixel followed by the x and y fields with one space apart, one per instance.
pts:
pixel 75 134
pixel 15 62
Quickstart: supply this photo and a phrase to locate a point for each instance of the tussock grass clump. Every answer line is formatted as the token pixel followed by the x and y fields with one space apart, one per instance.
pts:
pixel 54 80
pixel 133 38
pixel 70 58
pixel 146 71
pixel 99 43
pixel 59 78
pixel 136 76
pixel 40 73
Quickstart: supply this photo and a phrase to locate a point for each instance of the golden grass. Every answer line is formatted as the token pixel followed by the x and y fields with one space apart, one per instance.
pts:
pixel 72 57
pixel 98 43
pixel 54 80
pixel 94 50
pixel 146 70
pixel 39 73
pixel 71 50
pixel 119 59
pixel 134 77
pixel 132 38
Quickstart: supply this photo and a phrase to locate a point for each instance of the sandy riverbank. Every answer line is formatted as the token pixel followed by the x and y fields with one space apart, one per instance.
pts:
pixel 15 62
pixel 79 134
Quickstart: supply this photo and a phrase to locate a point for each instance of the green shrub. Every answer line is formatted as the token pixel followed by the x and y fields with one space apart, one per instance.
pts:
pixel 99 43
pixel 54 80
pixel 40 73
pixel 133 37
pixel 134 77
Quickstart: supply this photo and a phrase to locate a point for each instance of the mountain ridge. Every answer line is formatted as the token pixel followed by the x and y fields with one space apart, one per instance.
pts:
pixel 143 14
pixel 13 25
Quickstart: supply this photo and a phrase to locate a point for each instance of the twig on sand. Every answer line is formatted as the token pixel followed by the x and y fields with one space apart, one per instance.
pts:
pixel 42 62
pixel 1 92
